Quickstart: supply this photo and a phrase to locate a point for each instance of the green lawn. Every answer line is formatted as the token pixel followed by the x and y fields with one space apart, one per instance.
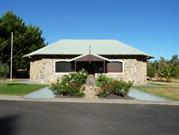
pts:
pixel 166 90
pixel 19 88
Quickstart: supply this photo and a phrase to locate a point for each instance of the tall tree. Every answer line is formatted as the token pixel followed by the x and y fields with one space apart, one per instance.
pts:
pixel 175 62
pixel 167 71
pixel 161 64
pixel 151 69
pixel 27 38
pixel 164 68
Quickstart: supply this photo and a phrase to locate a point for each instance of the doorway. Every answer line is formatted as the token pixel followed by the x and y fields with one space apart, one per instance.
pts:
pixel 91 67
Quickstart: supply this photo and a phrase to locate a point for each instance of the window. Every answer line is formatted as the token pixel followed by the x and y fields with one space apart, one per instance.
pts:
pixel 63 66
pixel 115 67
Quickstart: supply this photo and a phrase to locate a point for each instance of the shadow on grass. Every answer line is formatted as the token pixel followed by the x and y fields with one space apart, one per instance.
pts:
pixel 16 84
pixel 12 84
pixel 8 125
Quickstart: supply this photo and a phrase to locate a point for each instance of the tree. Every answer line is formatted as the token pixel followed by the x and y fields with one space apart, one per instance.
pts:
pixel 151 69
pixel 168 68
pixel 164 68
pixel 167 71
pixel 4 69
pixel 160 66
pixel 175 62
pixel 27 38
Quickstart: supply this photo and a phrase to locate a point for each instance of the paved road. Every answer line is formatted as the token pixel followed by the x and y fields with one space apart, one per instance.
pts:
pixel 44 118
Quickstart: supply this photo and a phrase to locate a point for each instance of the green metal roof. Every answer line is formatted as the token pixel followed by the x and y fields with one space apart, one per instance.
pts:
pixel 79 47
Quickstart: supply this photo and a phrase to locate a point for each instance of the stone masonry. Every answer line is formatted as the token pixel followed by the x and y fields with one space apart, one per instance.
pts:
pixel 43 71
pixel 133 70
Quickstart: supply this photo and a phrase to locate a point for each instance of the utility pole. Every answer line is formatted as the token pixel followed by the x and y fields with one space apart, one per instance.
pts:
pixel 11 56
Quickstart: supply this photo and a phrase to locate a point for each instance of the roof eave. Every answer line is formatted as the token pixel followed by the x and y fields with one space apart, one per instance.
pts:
pixel 148 56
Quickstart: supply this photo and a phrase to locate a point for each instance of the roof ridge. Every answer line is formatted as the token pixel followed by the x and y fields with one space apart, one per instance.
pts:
pixel 88 39
pixel 101 46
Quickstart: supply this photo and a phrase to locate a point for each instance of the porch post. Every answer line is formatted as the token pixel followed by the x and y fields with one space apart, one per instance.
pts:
pixel 104 67
pixel 75 65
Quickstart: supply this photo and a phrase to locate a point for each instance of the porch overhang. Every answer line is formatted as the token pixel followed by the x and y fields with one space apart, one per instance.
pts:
pixel 89 57
pixel 93 63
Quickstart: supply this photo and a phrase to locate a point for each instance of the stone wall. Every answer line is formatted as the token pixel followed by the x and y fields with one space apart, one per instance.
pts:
pixel 43 71
pixel 133 70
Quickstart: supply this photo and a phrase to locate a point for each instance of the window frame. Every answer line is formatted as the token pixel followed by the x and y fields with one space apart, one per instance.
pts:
pixel 61 60
pixel 68 60
pixel 116 60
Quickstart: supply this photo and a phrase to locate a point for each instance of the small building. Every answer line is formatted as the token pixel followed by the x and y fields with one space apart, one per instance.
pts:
pixel 110 57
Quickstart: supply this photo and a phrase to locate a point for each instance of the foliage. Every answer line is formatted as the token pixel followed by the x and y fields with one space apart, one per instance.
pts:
pixel 27 38
pixel 76 77
pixel 121 87
pixel 103 79
pixel 110 86
pixel 164 68
pixel 70 84
pixel 4 69
pixel 167 71
pixel 175 62
pixel 151 69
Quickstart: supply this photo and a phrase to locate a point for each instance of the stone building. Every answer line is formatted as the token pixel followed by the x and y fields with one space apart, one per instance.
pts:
pixel 110 57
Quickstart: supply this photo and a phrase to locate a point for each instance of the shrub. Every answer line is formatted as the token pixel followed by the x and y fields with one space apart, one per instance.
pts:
pixel 102 80
pixel 121 87
pixel 76 77
pixel 110 86
pixel 70 84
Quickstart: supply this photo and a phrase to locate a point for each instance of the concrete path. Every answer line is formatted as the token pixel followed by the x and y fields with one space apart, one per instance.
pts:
pixel 140 95
pixel 43 93
pixel 28 81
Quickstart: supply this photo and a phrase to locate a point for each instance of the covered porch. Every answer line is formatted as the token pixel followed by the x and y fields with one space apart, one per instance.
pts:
pixel 92 63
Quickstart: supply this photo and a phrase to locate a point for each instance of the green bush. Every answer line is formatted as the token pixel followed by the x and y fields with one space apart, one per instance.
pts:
pixel 70 84
pixel 110 86
pixel 102 80
pixel 121 87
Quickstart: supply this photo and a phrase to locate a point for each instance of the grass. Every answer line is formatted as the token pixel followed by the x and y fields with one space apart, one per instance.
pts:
pixel 166 90
pixel 19 88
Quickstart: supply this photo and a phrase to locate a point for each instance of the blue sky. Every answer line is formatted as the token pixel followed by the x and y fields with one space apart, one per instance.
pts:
pixel 149 25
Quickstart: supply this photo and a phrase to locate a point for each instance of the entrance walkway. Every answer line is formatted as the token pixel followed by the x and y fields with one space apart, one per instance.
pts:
pixel 140 95
pixel 43 93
